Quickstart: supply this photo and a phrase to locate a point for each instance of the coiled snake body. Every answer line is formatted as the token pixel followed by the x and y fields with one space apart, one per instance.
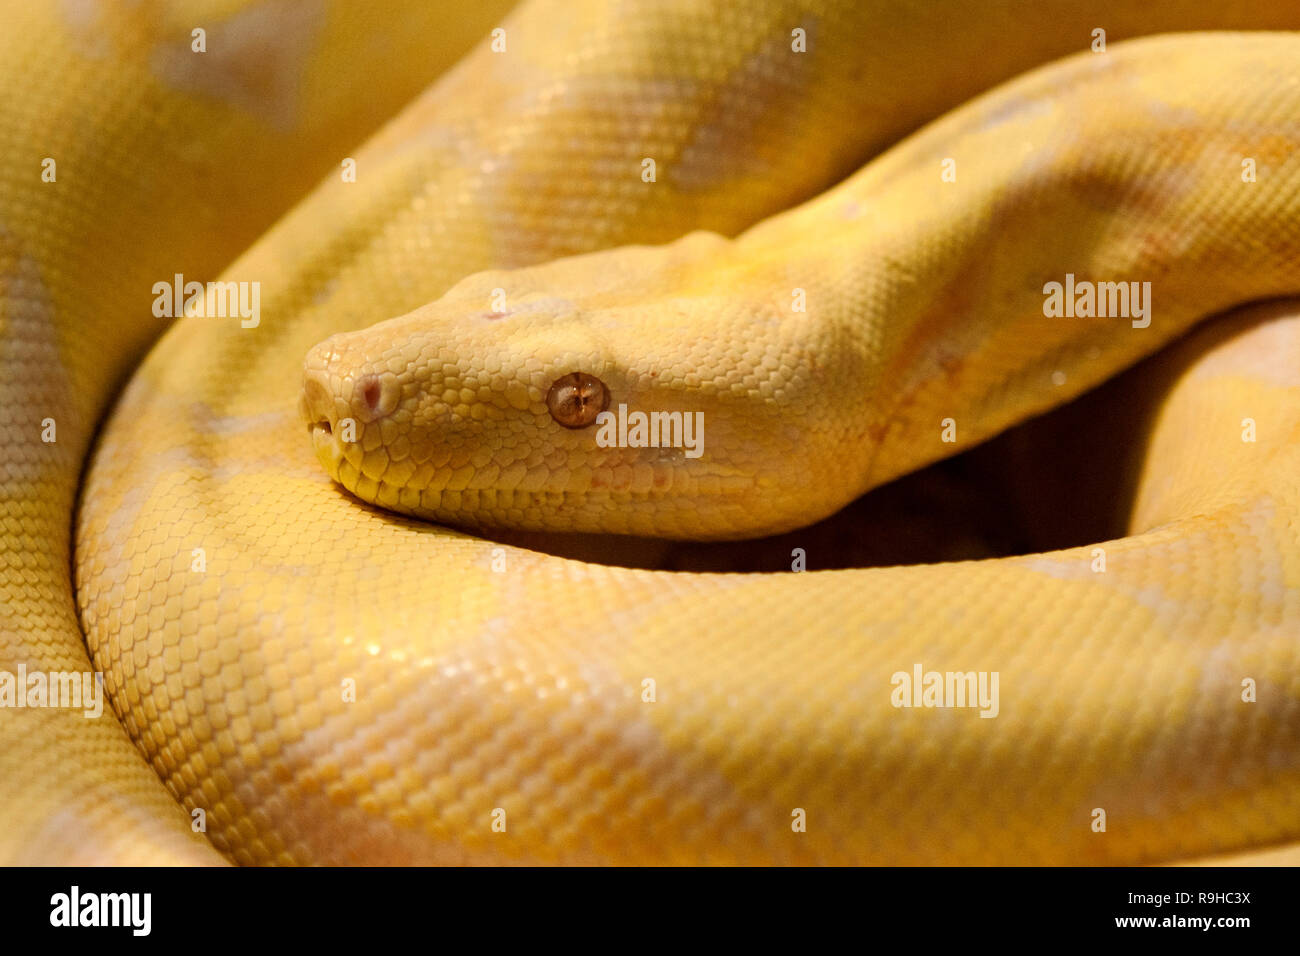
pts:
pixel 330 682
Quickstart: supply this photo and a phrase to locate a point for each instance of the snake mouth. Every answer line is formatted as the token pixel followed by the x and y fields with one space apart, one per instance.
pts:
pixel 316 405
pixel 328 451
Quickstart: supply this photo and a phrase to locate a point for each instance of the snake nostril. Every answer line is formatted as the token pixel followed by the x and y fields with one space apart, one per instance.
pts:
pixel 371 392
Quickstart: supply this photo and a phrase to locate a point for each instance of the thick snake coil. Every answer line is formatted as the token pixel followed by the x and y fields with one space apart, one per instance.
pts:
pixel 328 681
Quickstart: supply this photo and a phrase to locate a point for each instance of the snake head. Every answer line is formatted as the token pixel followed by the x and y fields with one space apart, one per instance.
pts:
pixel 575 396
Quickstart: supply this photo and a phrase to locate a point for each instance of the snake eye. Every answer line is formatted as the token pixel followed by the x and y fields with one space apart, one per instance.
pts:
pixel 576 399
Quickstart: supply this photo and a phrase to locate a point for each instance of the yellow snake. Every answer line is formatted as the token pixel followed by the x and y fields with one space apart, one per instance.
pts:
pixel 312 679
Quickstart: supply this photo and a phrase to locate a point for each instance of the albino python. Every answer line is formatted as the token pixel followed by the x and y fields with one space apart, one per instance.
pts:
pixel 299 676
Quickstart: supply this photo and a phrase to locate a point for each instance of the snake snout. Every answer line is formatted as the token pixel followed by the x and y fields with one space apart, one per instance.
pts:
pixel 339 384
pixel 316 402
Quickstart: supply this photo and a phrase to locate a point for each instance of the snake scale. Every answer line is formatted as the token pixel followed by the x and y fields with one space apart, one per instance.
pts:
pixel 318 679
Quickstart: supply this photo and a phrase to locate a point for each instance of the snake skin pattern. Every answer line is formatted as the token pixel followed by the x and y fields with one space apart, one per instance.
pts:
pixel 297 674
